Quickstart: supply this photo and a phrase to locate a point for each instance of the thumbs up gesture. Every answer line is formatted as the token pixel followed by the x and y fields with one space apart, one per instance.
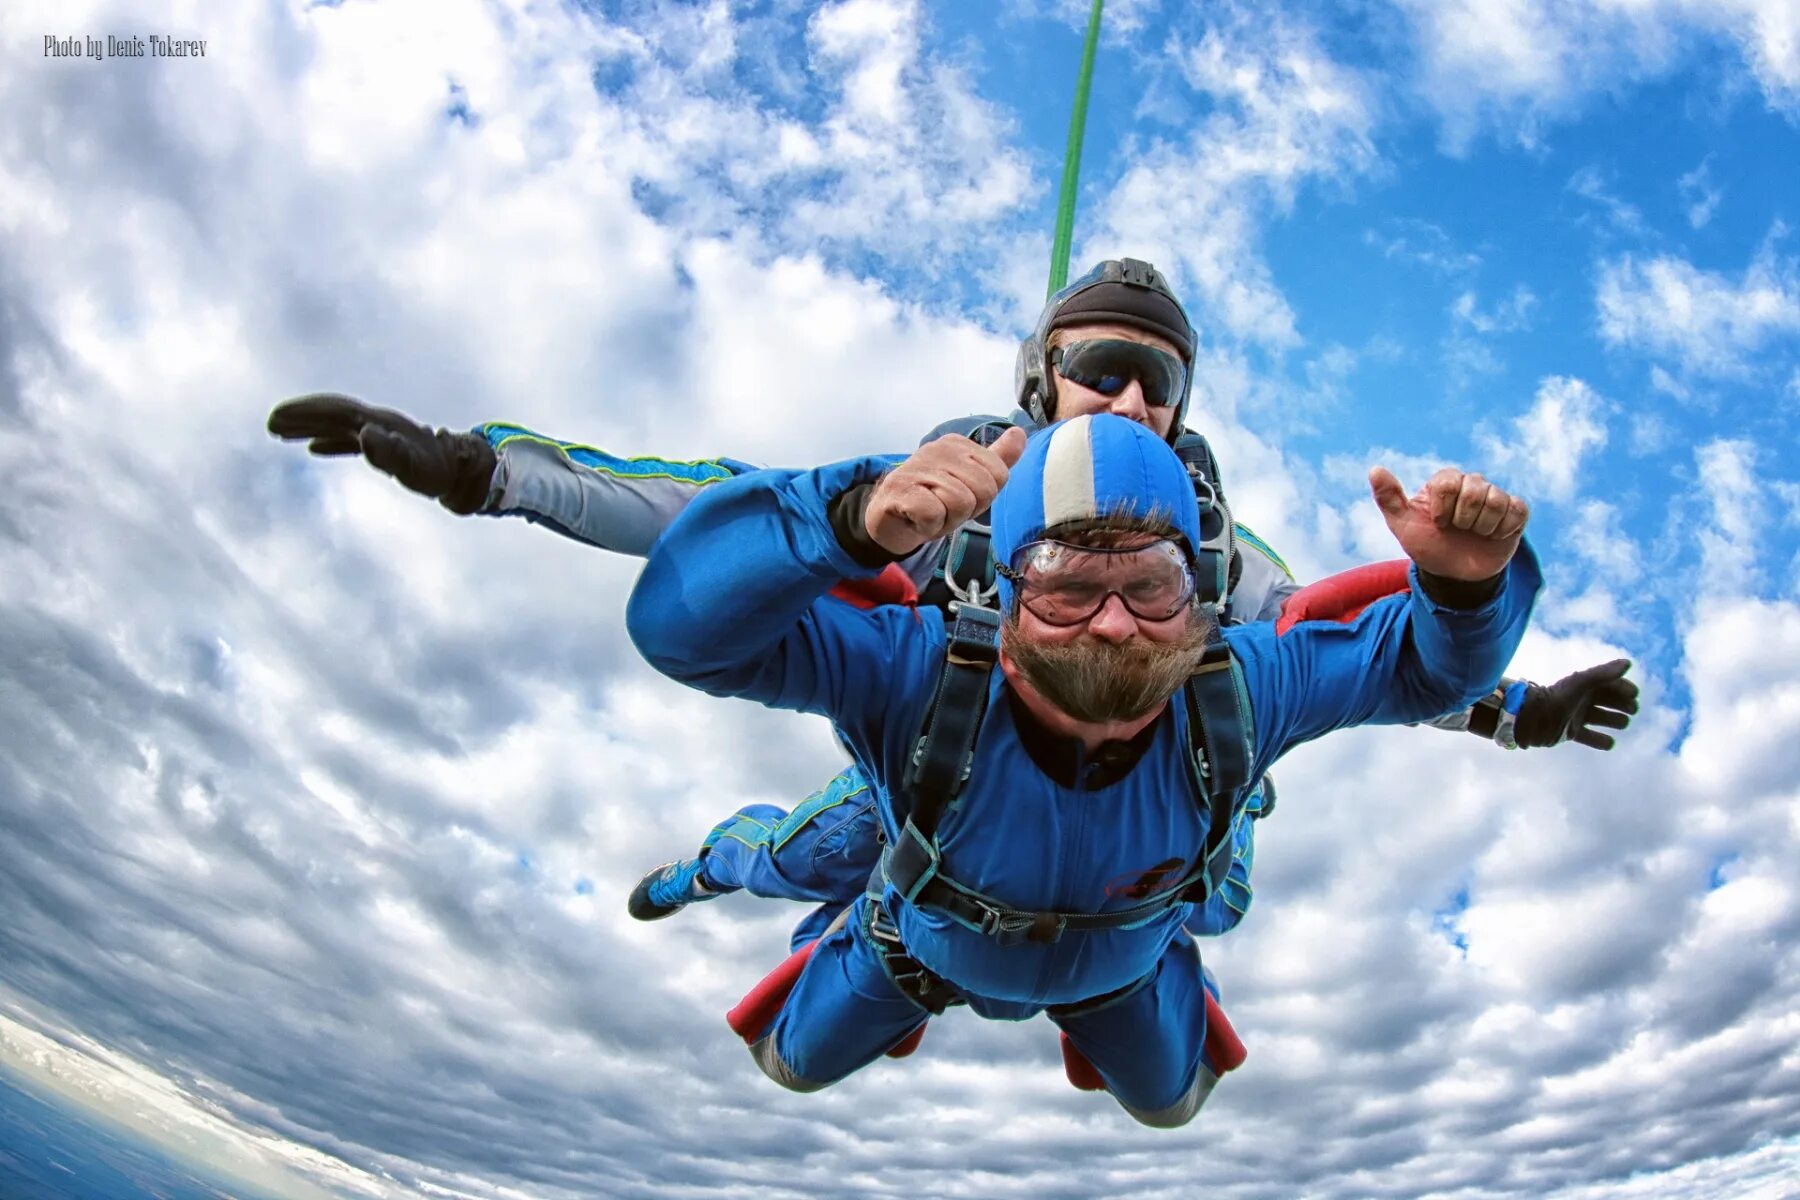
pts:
pixel 940 485
pixel 1458 525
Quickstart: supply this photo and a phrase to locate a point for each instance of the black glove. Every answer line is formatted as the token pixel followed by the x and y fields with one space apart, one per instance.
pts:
pixel 1577 707
pixel 455 469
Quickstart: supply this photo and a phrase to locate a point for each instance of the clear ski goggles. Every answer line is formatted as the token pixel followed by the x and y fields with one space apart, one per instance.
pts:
pixel 1107 365
pixel 1060 584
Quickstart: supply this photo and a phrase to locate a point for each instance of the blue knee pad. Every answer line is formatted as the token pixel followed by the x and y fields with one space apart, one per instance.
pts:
pixel 822 851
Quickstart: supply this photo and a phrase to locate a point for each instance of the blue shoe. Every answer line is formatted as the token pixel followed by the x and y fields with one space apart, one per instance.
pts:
pixel 668 889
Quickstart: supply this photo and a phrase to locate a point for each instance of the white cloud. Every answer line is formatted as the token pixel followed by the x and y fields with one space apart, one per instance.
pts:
pixel 1700 194
pixel 1547 445
pixel 1734 518
pixel 913 146
pixel 871 144
pixel 874 41
pixel 1744 668
pixel 1789 494
pixel 1590 184
pixel 1508 316
pixel 1414 240
pixel 795 361
pixel 1508 64
pixel 1597 536
pixel 1705 321
pixel 1280 113
pixel 1122 18
pixel 1466 347
pixel 1650 434
pixel 1667 384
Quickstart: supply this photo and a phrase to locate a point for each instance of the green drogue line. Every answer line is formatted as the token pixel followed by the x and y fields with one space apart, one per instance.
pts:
pixel 1065 206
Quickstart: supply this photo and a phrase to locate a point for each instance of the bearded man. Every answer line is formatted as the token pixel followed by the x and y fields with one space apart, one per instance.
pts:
pixel 1081 772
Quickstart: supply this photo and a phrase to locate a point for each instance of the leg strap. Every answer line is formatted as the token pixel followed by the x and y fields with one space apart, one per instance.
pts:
pixel 917 982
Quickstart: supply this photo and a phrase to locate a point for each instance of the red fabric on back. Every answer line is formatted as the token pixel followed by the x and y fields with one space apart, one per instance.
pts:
pixel 757 1009
pixel 1222 1043
pixel 1343 596
pixel 1223 1050
pixel 892 586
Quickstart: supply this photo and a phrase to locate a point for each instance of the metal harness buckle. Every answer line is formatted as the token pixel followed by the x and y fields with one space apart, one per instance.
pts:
pixel 956 555
pixel 1009 928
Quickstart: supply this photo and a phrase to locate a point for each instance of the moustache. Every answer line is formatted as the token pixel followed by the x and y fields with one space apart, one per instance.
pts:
pixel 1104 682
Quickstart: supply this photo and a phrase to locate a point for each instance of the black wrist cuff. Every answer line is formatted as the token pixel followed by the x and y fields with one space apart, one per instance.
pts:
pixel 472 463
pixel 846 513
pixel 1484 717
pixel 1460 593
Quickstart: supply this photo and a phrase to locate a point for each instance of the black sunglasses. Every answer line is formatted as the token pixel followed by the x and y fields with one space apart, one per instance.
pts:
pixel 1107 365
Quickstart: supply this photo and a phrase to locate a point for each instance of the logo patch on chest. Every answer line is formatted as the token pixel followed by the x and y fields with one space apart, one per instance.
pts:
pixel 1136 885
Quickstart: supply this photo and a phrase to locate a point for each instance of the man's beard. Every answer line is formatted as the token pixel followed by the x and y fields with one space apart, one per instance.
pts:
pixel 1104 682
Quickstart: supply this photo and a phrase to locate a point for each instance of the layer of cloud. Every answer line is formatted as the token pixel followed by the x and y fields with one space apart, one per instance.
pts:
pixel 1413 240
pixel 1122 19
pixel 321 805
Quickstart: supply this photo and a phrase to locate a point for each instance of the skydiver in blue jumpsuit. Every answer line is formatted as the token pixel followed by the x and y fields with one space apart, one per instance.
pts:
pixel 1081 771
pixel 823 849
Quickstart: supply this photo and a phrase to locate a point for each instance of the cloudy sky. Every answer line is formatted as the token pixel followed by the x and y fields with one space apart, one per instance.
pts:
pixel 319 806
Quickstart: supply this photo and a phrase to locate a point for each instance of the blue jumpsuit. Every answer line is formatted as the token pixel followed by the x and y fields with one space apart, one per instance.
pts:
pixel 823 849
pixel 732 601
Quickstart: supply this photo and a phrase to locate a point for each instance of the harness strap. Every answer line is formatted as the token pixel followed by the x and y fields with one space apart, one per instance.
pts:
pixel 916 981
pixel 945 752
pixel 1219 726
pixel 1214 556
pixel 911 866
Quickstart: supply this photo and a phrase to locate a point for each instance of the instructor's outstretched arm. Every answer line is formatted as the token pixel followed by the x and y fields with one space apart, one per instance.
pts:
pixel 499 469
pixel 455 469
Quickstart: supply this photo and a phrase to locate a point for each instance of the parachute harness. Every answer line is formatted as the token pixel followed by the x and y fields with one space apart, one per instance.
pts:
pixel 943 758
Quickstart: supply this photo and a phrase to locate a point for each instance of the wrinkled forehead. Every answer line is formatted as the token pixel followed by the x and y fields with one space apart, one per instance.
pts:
pixel 1105 329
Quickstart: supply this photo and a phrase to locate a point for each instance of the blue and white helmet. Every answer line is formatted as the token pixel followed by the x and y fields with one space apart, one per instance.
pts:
pixel 1089 467
pixel 1118 291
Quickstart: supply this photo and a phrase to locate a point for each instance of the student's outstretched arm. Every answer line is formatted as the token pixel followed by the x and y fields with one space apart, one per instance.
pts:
pixel 732 600
pixel 1438 646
